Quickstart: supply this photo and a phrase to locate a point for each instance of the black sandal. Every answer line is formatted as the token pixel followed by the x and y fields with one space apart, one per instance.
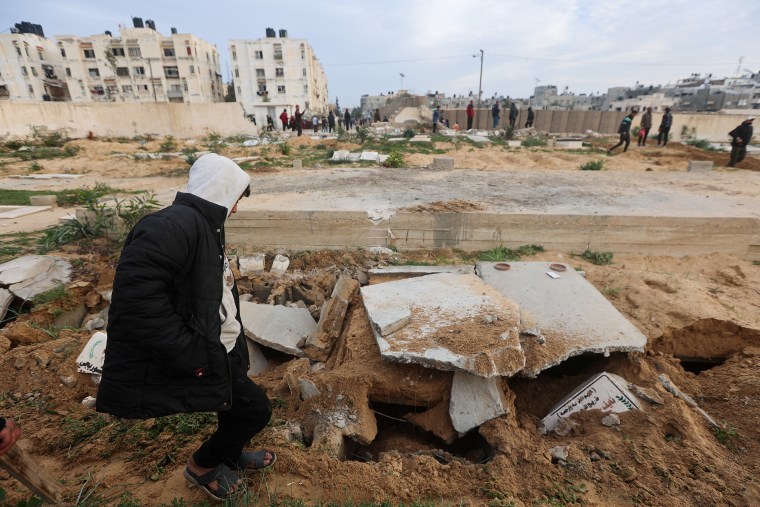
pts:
pixel 225 478
pixel 257 458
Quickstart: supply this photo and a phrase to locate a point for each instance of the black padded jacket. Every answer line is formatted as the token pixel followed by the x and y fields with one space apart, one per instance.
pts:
pixel 164 354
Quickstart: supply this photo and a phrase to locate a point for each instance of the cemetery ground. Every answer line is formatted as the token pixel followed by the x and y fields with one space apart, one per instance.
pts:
pixel 700 315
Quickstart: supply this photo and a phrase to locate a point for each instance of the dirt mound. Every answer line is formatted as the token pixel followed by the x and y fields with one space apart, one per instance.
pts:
pixel 699 312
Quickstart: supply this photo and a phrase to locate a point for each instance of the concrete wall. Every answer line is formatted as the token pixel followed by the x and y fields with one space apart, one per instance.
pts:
pixel 676 236
pixel 125 119
pixel 711 126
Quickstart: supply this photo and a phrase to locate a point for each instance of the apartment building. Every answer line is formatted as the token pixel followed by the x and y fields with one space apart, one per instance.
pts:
pixel 275 73
pixel 30 67
pixel 141 65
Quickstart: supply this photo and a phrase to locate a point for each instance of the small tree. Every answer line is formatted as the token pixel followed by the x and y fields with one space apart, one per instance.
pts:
pixel 230 95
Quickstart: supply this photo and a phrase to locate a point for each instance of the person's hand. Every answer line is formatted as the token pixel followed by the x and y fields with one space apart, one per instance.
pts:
pixel 8 436
pixel 739 139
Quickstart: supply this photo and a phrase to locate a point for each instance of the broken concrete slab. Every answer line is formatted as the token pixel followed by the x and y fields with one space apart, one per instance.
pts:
pixel 280 264
pixel 475 400
pixel 389 273
pixel 20 211
pixel 447 329
pixel 31 275
pixel 419 138
pixel 700 166
pixel 435 420
pixel 606 392
pixel 276 326
pixel 566 312
pixel 256 358
pixel 320 343
pixel 253 265
pixel 5 302
pixel 90 360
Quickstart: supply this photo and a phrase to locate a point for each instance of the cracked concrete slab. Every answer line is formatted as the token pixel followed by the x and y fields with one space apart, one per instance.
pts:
pixel 475 400
pixel 389 273
pixel 278 327
pixel 566 313
pixel 31 275
pixel 456 323
pixel 20 211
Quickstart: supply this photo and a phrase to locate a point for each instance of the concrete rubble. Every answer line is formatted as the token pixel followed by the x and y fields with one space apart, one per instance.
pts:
pixel 475 400
pixel 30 275
pixel 422 320
pixel 92 356
pixel 562 314
pixel 253 265
pixel 319 344
pixel 278 327
pixel 280 264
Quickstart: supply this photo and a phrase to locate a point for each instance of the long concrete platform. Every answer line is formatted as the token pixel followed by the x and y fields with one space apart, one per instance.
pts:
pixel 658 213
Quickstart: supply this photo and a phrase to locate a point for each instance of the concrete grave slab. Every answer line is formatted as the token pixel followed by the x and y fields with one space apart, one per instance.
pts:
pixel 280 264
pixel 480 139
pixel 90 360
pixel 276 326
pixel 369 155
pixel 30 275
pixel 567 313
pixel 20 211
pixel 390 273
pixel 420 139
pixel 700 166
pixel 253 265
pixel 5 302
pixel 475 400
pixel 606 392
pixel 514 144
pixel 569 144
pixel 256 358
pixel 455 323
pixel 340 155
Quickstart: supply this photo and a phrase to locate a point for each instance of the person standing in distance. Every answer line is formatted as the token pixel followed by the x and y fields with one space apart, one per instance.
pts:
pixel 625 132
pixel 470 115
pixel 646 126
pixel 175 338
pixel 740 138
pixel 665 124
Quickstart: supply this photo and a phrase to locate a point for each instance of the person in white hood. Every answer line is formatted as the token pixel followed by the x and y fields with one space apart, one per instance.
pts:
pixel 175 340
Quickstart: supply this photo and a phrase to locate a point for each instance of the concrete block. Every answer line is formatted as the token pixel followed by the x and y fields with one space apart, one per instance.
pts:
pixel 256 359
pixel 475 400
pixel 566 313
pixel 700 166
pixel 253 265
pixel 90 359
pixel 442 163
pixel 606 392
pixel 340 155
pixel 514 144
pixel 479 139
pixel 569 144
pixel 297 163
pixel 372 156
pixel 276 326
pixel 280 264
pixel 320 343
pixel 43 200
pixel 420 139
pixel 442 310
pixel 30 275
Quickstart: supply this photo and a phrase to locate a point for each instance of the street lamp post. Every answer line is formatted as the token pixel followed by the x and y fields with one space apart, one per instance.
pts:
pixel 480 82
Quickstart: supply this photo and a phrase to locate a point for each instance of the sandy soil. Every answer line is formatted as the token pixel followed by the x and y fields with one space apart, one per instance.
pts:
pixel 701 315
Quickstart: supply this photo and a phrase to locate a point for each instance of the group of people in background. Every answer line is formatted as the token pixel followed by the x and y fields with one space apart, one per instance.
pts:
pixel 645 128
pixel 295 122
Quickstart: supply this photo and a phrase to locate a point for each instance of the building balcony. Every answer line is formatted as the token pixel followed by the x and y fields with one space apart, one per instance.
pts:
pixel 174 94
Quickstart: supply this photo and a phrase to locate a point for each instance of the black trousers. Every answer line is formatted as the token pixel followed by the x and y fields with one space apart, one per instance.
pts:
pixel 662 136
pixel 624 138
pixel 737 155
pixel 250 413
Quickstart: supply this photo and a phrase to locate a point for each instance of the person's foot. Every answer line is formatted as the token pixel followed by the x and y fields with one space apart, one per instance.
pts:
pixel 199 471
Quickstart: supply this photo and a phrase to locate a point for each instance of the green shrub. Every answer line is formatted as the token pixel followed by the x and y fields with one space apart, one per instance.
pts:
pixel 702 144
pixel 593 165
pixel 363 134
pixel 534 141
pixel 36 166
pixel 502 253
pixel 190 154
pixel 284 149
pixel 598 258
pixel 409 133
pixel 168 144
pixel 395 159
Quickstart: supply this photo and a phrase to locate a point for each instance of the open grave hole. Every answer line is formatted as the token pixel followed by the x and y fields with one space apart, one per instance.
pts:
pixel 705 344
pixel 395 433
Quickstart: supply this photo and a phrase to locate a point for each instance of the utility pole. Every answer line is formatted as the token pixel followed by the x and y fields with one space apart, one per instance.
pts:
pixel 480 83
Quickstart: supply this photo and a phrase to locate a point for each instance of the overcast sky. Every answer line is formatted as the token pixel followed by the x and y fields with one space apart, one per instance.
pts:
pixel 585 45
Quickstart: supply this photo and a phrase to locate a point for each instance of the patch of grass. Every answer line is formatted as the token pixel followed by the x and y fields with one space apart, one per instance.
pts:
pixel 502 253
pixel 39 153
pixel 214 142
pixel 168 144
pixel 593 165
pixel 36 166
pixel 702 144
pixel 598 258
pixel 611 291
pixel 726 435
pixel 190 154
pixel 53 294
pixel 76 431
pixel 185 425
pixel 285 148
pixel 395 159
pixel 69 197
pixel 534 141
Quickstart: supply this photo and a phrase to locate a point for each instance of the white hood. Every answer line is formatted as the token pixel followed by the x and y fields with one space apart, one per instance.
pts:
pixel 217 179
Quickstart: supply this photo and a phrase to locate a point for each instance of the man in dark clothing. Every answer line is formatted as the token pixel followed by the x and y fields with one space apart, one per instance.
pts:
pixel 436 118
pixel 347 119
pixel 513 112
pixel 740 138
pixel 646 126
pixel 298 115
pixel 495 111
pixel 9 433
pixel 175 338
pixel 665 124
pixel 470 114
pixel 531 117
pixel 284 119
pixel 331 121
pixel 625 132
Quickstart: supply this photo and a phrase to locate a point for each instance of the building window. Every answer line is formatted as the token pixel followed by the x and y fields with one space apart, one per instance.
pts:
pixel 68 72
pixel 192 69
pixel 18 50
pixel 239 90
pixel 117 51
pixel 31 90
pixel 207 58
pixel 42 56
pixel 26 50
pixel 24 71
pixel 304 72
pixel 277 51
pixel 126 88
pixel 280 88
pixel 34 71
pixel 89 53
pixel 234 55
pixel 138 71
pixel 134 52
pixel 258 55
pixel 93 72
pixel 237 73
pixel 63 53
pixel 260 73
pixel 305 89
pixel 189 51
pixel 4 91
pixel 279 72
pixel 184 85
pixel 169 52
pixel 113 89
pixel 172 72
pixel 262 89
pixel 142 87
pixel 175 88
pixel 303 54
pixel 122 71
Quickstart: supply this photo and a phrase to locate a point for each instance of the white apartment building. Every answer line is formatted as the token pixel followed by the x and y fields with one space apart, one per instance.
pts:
pixel 141 65
pixel 275 73
pixel 30 68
